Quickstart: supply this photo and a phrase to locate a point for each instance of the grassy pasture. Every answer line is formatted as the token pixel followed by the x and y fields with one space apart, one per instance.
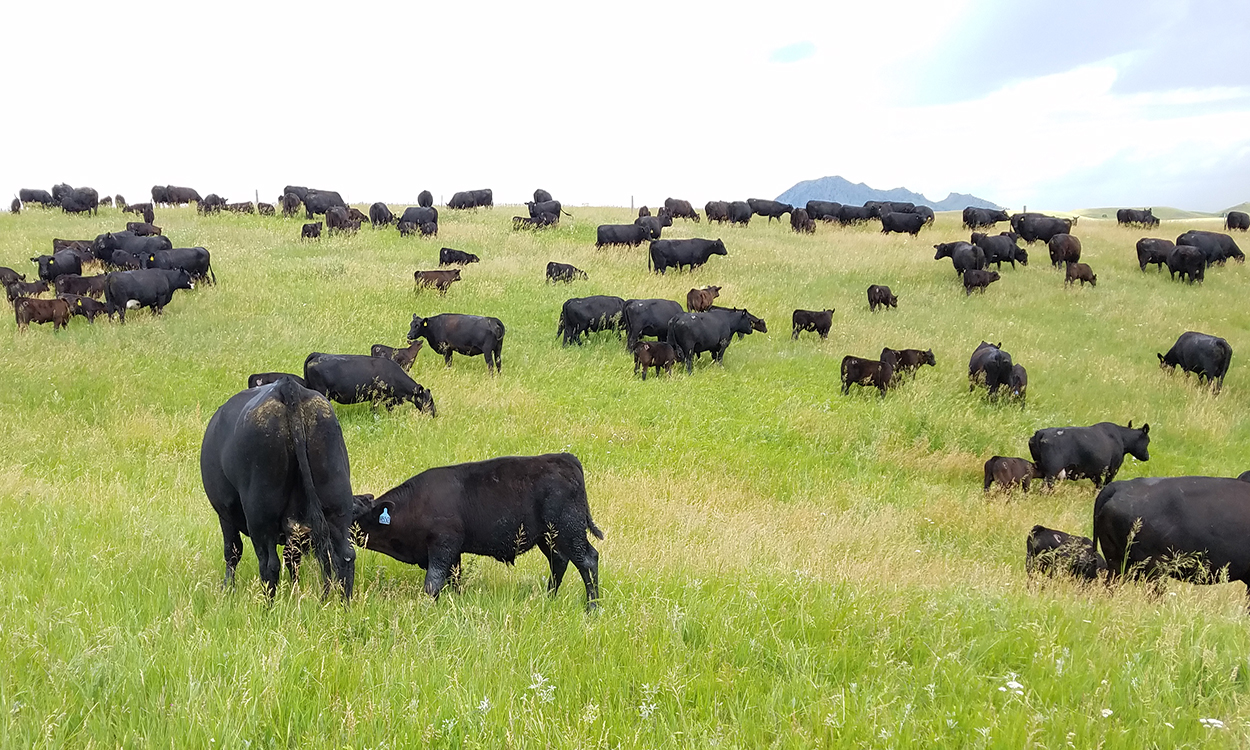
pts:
pixel 784 566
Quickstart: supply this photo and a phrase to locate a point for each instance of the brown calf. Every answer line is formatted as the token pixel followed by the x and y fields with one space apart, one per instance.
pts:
pixel 654 354
pixel 700 300
pixel 54 311
pixel 1009 472
pixel 87 286
pixel 1074 272
pixel 404 357
pixel 440 280
pixel 142 228
pixel 819 321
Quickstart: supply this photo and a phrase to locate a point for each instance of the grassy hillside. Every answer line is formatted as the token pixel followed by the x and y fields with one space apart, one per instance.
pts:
pixel 784 566
pixel 1163 213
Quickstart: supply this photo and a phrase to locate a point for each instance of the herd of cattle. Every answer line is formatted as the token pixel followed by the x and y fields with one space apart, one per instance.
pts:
pixel 495 507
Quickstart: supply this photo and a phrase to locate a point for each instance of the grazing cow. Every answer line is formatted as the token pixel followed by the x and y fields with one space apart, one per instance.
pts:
pixel 1064 248
pixel 337 221
pixel 816 321
pixel 84 306
pixel 15 206
pixel 290 204
pixel 448 257
pixel 119 201
pixel 107 201
pixel 586 315
pixel 823 210
pixel 1150 250
pixel 1001 247
pixel 356 215
pixel 648 354
pixel 542 222
pixel 1129 216
pixel 212 204
pixel 978 279
pixel 1074 272
pixel 266 209
pixel 148 216
pixel 902 223
pixel 700 300
pixel 866 372
pixel 241 208
pixel 273 458
pixel 132 243
pixel 564 272
pixel 711 331
pixel 402 356
pixel 771 209
pixel 311 231
pixel 181 196
pixel 1018 383
pixel 1189 262
pixel 693 253
pixel 440 280
pixel 471 199
pixel 469 335
pixel 647 317
pixel 298 191
pixel 541 196
pixel 964 256
pixel 59 191
pixel 380 215
pixel 428 229
pixel 420 215
pixel 1094 452
pixel 1215 246
pixel 1009 472
pixel 54 311
pixel 70 204
pixel 138 208
pixel 152 287
pixel 800 221
pixel 86 286
pixel 909 360
pixel 143 229
pixel 320 201
pixel 553 207
pixel 681 209
pixel 740 213
pixel 1050 552
pixel 655 224
pixel 717 211
pixel 625 235
pixel 84 197
pixel 265 378
pixel 58 264
pixel 1034 227
pixel 160 195
pixel 1204 355
pixel 406 228
pixel 42 197
pixel 1188 528
pixel 9 276
pixel 881 296
pixel 991 365
pixel 1237 220
pixel 499 508
pixel 359 379
pixel 196 261
pixel 18 289
pixel 925 213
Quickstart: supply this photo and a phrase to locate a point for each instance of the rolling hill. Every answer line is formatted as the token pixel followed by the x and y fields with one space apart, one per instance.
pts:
pixel 842 190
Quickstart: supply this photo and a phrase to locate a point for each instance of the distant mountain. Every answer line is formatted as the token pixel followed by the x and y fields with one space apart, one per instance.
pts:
pixel 855 193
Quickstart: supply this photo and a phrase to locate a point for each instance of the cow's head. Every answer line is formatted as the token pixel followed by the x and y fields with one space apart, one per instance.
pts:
pixel 718 248
pixel 757 324
pixel 418 327
pixel 424 400
pixel 943 250
pixel 1138 441
pixel 373 515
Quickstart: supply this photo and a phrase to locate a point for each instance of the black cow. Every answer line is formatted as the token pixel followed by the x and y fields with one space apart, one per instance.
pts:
pixel 42 197
pixel 402 356
pixel 1064 248
pixel 1215 246
pixel 665 254
pixel 380 215
pixel 586 315
pixel 58 264
pixel 19 289
pixel 1237 220
pixel 159 195
pixel 143 229
pixel 138 208
pixel 740 213
pixel 469 335
pixel 1206 356
pixel 1141 217
pixel 925 213
pixel 964 255
pixel 1188 528
pixel 152 287
pixel 59 191
pixel 644 211
pixel 105 244
pixel 1188 261
pixel 800 222
pixel 9 276
pixel 471 199
pixel 105 201
pixel 1034 227
pixel 823 210
pixel 274 458
pixel 564 272
pixel 681 209
pixel 320 201
pixel 299 191
pixel 1018 383
pixel 711 331
pixel 1001 247
pixel 419 215
pixel 121 260
pixel 358 379
pixel 1050 552
pixel 84 306
pixel 717 211
pixel 817 321
pixel 265 378
pixel 499 508
pixel 902 223
pixel 908 360
pixel 1008 472
pixel 312 231
pixel 71 204
pixel 655 224
pixel 881 296
pixel 978 279
pixel 771 209
pixel 337 221
pixel 647 317
pixel 1150 250
pixel 290 204
pixel 181 196
pixel 428 229
pixel 553 207
pixel 15 206
pixel 425 199
pixel 866 372
pixel 625 235
pixel 991 365
pixel 541 196
pixel 266 209
pixel 1094 452
pixel 196 261
pixel 447 257
pixel 406 228
pixel 212 204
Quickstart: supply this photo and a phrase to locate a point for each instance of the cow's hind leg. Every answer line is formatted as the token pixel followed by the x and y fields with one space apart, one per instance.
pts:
pixel 233 550
pixel 557 560
pixel 269 561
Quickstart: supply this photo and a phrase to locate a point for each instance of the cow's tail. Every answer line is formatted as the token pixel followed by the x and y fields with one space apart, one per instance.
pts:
pixel 566 213
pixel 1226 357
pixel 288 392
pixel 560 325
pixel 1104 497
pixel 211 275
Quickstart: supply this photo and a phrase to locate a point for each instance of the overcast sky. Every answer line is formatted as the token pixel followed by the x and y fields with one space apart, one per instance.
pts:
pixel 1055 104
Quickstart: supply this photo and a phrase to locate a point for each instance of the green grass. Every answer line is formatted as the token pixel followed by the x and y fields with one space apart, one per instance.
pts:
pixel 784 566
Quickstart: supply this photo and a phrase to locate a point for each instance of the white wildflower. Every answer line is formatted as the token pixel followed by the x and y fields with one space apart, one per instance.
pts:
pixel 543 688
pixel 485 705
pixel 1211 723
pixel 1106 712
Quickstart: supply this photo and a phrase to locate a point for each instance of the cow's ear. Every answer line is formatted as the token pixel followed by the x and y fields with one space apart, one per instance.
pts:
pixel 1160 356
pixel 1145 429
pixel 1130 424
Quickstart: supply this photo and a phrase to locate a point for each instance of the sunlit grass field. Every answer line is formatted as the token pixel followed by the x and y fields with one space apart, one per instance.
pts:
pixel 784 566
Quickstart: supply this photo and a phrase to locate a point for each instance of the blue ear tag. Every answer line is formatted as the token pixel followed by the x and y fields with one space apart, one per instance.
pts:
pixel 385 518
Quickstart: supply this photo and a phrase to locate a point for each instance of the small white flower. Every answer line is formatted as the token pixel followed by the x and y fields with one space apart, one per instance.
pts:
pixel 1106 712
pixel 1211 723
pixel 1014 685
pixel 484 706
pixel 1169 725
pixel 646 709
pixel 1002 690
